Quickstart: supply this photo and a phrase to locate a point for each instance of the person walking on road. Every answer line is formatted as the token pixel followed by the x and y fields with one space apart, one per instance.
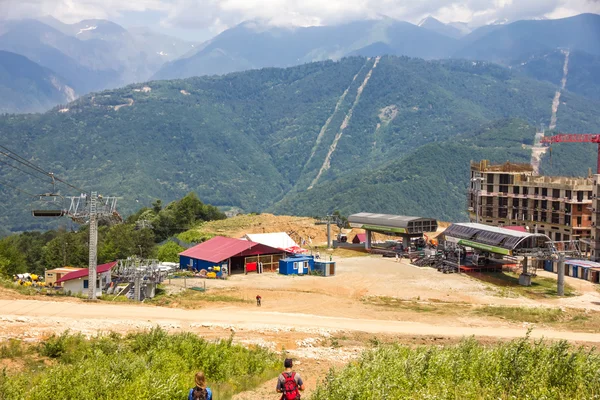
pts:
pixel 258 300
pixel 200 391
pixel 289 382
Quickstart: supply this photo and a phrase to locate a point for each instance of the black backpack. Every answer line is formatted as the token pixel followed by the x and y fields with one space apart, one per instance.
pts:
pixel 199 393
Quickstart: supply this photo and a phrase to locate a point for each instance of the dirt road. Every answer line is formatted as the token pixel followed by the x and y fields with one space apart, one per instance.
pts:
pixel 102 316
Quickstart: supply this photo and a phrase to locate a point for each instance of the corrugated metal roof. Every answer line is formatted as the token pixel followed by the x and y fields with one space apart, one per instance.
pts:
pixel 583 263
pixel 489 235
pixel 396 221
pixel 221 248
pixel 495 229
pixel 84 272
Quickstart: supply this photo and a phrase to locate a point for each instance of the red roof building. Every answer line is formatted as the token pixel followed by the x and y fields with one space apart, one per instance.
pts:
pixel 359 238
pixel 235 253
pixel 83 273
pixel 516 228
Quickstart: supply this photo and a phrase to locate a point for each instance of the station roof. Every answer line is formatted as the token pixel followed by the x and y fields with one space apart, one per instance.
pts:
pixel 221 248
pixel 392 223
pixel 583 263
pixel 492 236
pixel 83 272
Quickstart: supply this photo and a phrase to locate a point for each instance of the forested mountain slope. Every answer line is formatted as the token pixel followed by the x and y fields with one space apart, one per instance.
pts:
pixel 28 87
pixel 260 139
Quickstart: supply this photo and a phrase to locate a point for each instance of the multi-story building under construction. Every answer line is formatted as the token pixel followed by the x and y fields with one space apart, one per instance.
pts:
pixel 510 194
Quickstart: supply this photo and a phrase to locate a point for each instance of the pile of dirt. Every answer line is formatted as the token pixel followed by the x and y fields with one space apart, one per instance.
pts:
pixel 297 227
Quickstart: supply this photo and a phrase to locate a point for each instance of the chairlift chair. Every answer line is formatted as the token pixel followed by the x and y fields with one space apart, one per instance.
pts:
pixel 48 205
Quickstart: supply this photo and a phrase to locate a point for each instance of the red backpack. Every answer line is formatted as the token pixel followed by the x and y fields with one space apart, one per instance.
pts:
pixel 290 387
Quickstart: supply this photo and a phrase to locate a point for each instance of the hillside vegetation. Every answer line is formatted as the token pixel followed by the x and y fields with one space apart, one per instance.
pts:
pixel 140 235
pixel 468 371
pixel 28 87
pixel 146 365
pixel 258 140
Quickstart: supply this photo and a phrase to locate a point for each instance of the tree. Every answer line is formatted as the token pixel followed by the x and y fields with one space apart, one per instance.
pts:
pixel 169 252
pixel 157 206
pixel 12 261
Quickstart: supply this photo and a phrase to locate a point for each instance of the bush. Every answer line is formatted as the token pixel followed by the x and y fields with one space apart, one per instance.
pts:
pixel 149 365
pixel 516 370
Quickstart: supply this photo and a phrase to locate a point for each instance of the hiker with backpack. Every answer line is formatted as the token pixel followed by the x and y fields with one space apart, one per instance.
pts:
pixel 289 383
pixel 200 391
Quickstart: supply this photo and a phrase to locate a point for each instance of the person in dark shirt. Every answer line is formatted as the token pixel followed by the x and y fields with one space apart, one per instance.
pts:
pixel 289 382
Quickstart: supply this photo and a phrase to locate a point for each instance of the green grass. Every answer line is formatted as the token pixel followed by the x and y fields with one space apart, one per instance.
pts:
pixel 564 318
pixel 541 315
pixel 399 304
pixel 519 369
pixel 148 365
pixel 194 299
pixel 507 284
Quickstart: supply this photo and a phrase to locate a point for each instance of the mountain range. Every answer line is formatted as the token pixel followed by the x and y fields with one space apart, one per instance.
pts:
pixel 388 134
pixel 253 45
pixel 93 55
pixel 27 87
pixel 88 56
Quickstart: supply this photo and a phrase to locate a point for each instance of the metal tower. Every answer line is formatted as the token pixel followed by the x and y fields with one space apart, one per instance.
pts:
pixel 89 210
pixel 93 252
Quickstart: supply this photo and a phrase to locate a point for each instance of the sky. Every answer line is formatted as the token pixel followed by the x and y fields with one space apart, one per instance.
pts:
pixel 201 19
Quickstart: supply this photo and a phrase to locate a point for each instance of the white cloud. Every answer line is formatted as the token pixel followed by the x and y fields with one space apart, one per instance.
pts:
pixel 217 15
pixel 75 10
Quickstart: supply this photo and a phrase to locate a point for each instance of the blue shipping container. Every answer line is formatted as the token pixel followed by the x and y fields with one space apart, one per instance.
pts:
pixel 296 265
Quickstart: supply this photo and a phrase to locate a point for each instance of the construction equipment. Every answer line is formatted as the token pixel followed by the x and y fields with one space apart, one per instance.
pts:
pixel 575 138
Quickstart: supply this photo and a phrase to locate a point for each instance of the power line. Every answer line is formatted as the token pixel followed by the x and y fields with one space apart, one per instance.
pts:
pixel 16 188
pixel 23 160
pixel 22 170
pixel 19 159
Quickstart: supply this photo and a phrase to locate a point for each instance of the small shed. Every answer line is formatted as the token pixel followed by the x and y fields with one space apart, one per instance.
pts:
pixel 53 275
pixel 325 268
pixel 359 238
pixel 77 282
pixel 296 265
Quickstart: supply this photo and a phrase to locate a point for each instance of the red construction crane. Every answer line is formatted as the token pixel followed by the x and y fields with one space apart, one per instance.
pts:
pixel 575 138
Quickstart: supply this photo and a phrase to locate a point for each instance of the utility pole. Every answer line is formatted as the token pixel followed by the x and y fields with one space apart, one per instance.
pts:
pixel 65 253
pixel 93 251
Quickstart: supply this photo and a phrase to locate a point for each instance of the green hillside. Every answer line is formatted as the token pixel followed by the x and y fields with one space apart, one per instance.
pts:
pixel 432 180
pixel 258 139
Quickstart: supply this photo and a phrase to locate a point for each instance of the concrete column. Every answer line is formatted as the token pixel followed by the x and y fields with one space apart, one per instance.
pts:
pixel 406 241
pixel 368 240
pixel 525 262
pixel 560 289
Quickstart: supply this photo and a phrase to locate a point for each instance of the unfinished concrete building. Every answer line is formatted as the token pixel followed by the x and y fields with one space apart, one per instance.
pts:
pixel 510 194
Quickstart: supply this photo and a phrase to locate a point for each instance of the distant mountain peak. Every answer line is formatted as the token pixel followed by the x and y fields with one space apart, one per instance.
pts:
pixel 438 26
pixel 429 20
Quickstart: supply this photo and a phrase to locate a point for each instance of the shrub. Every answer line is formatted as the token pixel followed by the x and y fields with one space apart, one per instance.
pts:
pixel 149 365
pixel 516 370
